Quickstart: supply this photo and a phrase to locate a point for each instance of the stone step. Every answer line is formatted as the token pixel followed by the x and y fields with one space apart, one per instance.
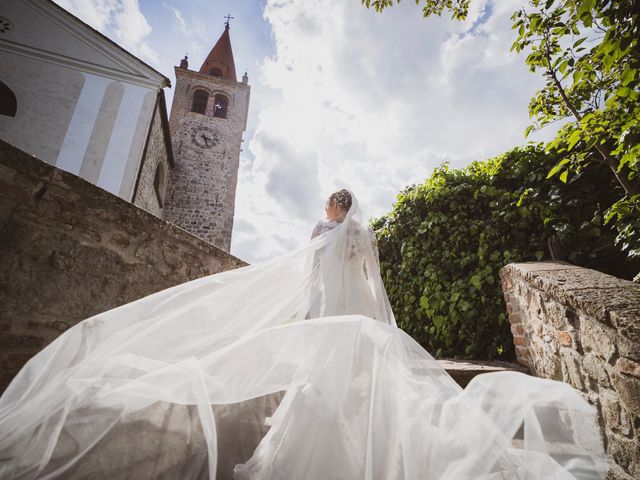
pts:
pixel 462 371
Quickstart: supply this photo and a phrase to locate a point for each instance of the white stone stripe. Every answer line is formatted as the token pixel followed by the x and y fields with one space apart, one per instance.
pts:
pixel 78 134
pixel 115 160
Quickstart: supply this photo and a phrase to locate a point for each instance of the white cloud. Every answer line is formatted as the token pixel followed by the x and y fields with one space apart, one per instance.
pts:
pixel 372 102
pixel 120 19
pixel 180 21
pixel 350 98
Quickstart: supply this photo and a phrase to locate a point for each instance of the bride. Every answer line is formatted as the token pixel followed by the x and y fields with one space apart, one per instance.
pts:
pixel 292 368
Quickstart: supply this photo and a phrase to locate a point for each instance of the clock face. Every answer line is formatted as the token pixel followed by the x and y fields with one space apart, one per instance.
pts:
pixel 205 137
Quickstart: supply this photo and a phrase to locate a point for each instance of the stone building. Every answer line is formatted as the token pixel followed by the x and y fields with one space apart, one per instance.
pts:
pixel 80 102
pixel 208 118
pixel 85 159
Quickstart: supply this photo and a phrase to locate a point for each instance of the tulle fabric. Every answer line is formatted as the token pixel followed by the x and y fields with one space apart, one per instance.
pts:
pixel 293 368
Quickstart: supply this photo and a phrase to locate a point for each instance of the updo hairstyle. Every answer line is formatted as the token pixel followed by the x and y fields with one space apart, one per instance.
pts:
pixel 342 198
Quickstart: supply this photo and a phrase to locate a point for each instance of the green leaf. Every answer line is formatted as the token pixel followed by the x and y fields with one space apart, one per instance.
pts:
pixel 579 42
pixel 574 138
pixel 557 167
pixel 628 75
pixel 563 176
pixel 528 130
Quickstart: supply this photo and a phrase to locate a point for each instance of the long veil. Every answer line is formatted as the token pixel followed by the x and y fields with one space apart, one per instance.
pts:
pixel 291 368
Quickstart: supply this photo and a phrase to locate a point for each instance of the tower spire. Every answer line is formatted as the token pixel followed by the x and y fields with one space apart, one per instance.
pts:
pixel 219 62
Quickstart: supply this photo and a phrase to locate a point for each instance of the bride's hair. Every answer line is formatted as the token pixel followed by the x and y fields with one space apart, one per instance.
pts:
pixel 341 198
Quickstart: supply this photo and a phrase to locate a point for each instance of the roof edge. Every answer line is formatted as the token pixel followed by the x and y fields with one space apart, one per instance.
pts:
pixel 165 81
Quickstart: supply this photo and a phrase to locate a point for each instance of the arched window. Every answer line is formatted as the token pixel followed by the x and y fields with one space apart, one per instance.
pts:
pixel 220 106
pixel 8 103
pixel 216 72
pixel 158 183
pixel 200 99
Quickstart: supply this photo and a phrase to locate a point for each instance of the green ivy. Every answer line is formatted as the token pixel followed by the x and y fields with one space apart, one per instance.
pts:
pixel 445 241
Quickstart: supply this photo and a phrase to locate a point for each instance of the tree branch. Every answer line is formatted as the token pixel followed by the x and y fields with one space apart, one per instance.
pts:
pixel 629 187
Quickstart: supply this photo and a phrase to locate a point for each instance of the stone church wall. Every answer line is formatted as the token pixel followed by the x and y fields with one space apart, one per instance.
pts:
pixel 157 160
pixel 69 250
pixel 582 327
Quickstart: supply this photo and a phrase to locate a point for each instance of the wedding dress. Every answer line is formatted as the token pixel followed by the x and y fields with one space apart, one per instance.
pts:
pixel 292 368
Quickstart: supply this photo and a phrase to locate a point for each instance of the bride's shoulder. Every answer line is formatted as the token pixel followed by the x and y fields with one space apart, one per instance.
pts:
pixel 326 221
pixel 323 226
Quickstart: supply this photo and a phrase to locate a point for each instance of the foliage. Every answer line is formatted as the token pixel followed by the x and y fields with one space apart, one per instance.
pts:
pixel 444 242
pixel 597 88
pixel 589 53
pixel 458 8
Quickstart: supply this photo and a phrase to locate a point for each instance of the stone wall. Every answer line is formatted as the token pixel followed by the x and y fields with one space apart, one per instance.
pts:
pixel 583 327
pixel 69 250
pixel 157 161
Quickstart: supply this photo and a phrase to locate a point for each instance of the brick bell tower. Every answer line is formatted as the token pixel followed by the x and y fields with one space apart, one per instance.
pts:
pixel 208 118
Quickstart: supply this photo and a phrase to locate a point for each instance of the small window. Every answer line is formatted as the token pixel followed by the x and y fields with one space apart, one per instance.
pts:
pixel 220 106
pixel 216 72
pixel 158 183
pixel 8 103
pixel 200 99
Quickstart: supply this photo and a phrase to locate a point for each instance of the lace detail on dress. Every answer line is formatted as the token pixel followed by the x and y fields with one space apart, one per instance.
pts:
pixel 323 226
pixel 362 239
pixel 376 254
pixel 356 242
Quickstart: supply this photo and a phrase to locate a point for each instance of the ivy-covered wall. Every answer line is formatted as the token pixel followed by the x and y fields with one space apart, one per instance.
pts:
pixel 445 240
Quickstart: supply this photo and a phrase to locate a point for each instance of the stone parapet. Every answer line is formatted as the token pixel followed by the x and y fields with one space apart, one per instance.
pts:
pixel 582 327
pixel 70 250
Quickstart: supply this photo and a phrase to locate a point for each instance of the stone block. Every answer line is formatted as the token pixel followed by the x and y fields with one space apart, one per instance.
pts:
pixel 566 339
pixel 628 389
pixel 628 348
pixel 625 452
pixel 614 416
pixel 629 367
pixel 596 369
pixel 596 337
pixel 598 302
pixel 523 268
pixel 617 473
pixel 557 315
pixel 516 329
pixel 627 322
pixel 570 365
pixel 583 289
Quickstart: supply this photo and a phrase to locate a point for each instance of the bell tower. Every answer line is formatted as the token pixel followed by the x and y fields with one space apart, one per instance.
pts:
pixel 208 117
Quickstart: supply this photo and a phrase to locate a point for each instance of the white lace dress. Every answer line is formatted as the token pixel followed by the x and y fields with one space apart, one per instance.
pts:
pixel 357 295
pixel 323 226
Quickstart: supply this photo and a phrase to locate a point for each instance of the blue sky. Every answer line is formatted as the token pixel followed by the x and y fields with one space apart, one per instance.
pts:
pixel 341 96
